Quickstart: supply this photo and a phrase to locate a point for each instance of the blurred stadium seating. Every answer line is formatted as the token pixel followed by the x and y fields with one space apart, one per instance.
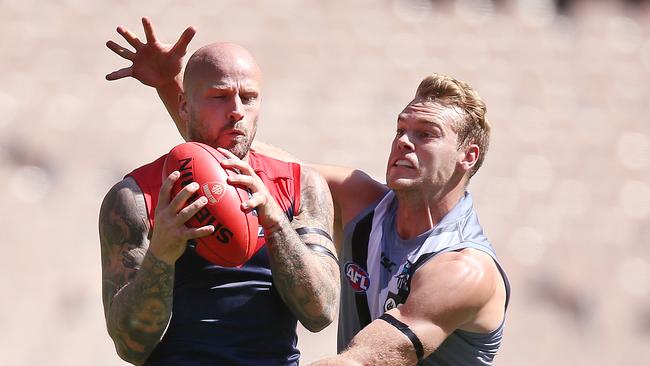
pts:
pixel 564 194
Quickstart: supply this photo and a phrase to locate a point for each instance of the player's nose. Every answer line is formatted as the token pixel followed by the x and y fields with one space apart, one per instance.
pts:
pixel 404 143
pixel 236 112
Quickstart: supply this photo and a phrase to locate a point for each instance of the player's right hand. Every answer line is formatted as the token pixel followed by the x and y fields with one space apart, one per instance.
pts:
pixel 170 235
pixel 153 63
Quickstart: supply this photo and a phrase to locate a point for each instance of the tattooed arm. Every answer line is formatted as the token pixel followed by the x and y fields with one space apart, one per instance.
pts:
pixel 306 279
pixel 138 278
pixel 136 287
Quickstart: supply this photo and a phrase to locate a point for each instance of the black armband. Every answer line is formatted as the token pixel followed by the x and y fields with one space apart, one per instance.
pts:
pixel 322 250
pixel 419 351
pixel 313 230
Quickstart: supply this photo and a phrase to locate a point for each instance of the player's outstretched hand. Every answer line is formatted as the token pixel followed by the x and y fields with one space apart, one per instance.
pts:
pixel 153 63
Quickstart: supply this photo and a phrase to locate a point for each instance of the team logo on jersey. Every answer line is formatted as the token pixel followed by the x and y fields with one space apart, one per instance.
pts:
pixel 404 278
pixel 390 304
pixel 358 277
pixel 403 282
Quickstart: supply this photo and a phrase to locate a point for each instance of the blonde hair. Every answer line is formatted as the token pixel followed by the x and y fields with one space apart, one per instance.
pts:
pixel 474 127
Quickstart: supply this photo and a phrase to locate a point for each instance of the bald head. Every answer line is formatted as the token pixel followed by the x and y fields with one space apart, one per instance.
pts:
pixel 217 60
pixel 221 97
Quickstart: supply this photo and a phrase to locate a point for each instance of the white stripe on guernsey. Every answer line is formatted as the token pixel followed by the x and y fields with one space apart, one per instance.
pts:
pixel 443 240
pixel 373 260
pixel 264 285
pixel 377 292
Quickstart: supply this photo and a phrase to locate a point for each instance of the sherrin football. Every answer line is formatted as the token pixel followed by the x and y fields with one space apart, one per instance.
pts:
pixel 234 239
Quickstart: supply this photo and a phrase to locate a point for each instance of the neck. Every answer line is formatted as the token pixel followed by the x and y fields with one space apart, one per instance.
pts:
pixel 419 211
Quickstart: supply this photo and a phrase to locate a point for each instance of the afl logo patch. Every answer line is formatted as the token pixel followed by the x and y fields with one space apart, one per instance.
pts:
pixel 357 276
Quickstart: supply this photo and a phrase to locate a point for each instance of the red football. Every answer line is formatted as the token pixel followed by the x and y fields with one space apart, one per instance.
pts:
pixel 235 237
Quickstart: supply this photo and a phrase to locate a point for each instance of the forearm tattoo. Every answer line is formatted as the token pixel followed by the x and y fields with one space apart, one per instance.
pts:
pixel 137 288
pixel 308 281
pixel 142 309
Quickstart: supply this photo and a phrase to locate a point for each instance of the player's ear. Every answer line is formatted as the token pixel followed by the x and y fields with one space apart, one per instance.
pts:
pixel 469 156
pixel 183 110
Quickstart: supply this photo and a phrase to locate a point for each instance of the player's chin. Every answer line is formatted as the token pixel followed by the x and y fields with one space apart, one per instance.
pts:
pixel 401 175
pixel 399 183
pixel 239 147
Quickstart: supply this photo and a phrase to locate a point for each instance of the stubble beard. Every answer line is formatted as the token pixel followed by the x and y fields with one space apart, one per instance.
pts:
pixel 239 148
pixel 242 147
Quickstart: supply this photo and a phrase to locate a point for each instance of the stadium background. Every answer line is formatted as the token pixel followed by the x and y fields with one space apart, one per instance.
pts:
pixel 564 194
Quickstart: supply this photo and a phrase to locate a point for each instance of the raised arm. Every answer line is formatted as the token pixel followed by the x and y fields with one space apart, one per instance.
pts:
pixel 301 253
pixel 155 64
pixel 458 290
pixel 352 189
pixel 138 278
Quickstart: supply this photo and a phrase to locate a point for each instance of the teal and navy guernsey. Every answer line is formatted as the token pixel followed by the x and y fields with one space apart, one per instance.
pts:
pixel 378 265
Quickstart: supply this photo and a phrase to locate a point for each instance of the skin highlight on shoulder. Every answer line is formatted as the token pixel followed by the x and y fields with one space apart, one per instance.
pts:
pixel 463 284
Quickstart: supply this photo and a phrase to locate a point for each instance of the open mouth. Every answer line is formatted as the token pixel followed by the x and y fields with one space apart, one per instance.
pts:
pixel 404 163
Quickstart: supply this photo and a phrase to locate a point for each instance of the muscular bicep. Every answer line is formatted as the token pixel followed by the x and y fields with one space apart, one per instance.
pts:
pixel 123 229
pixel 445 294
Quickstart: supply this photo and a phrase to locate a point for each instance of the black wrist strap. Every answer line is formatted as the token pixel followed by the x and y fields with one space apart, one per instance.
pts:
pixel 313 230
pixel 419 352
pixel 322 250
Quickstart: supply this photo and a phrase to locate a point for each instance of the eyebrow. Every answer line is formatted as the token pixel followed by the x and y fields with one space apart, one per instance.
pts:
pixel 401 118
pixel 244 89
pixel 220 87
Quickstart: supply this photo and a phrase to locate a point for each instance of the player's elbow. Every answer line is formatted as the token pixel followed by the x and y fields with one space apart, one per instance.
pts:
pixel 324 317
pixel 125 354
pixel 123 351
pixel 317 324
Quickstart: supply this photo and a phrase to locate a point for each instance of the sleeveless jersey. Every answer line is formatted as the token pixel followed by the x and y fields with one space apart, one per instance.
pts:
pixel 221 315
pixel 378 267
